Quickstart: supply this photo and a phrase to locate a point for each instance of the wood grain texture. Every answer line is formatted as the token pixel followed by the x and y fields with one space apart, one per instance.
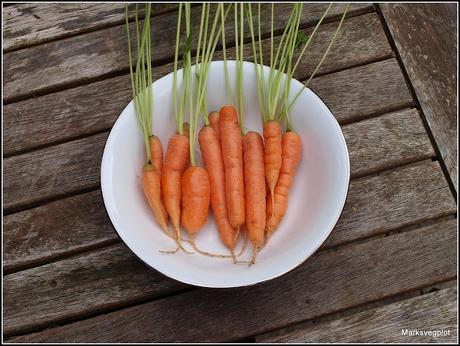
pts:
pixel 430 312
pixel 381 89
pixel 53 171
pixel 375 87
pixel 392 199
pixel 425 36
pixel 31 302
pixel 83 58
pixel 30 24
pixel 358 309
pixel 329 281
pixel 88 283
pixel 64 226
pixel 80 222
pixel 94 107
pixel 373 141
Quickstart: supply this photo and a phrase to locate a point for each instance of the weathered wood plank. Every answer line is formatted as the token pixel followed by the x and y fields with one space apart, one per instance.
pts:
pixel 392 199
pixel 372 142
pixel 28 295
pixel 57 170
pixel 375 87
pixel 381 89
pixel 30 24
pixel 327 282
pixel 88 283
pixel 80 59
pixel 64 226
pixel 342 314
pixel 425 36
pixel 83 110
pixel 430 312
pixel 80 222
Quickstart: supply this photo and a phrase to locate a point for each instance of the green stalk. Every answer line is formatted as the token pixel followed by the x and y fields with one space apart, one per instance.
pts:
pixel 224 50
pixel 290 70
pixel 261 66
pixel 276 85
pixel 176 58
pixel 322 58
pixel 311 36
pixel 209 52
pixel 141 79
pixel 254 50
pixel 236 49
pixel 280 44
pixel 198 67
pixel 239 76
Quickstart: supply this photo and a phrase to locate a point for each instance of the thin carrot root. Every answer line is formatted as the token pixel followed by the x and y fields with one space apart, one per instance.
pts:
pixel 206 253
pixel 255 250
pixel 170 251
pixel 179 243
pixel 245 241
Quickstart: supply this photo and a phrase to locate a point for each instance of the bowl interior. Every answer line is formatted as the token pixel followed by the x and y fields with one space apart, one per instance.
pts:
pixel 315 201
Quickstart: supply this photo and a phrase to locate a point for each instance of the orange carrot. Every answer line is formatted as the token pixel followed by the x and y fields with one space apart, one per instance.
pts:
pixel 176 161
pixel 254 185
pixel 232 154
pixel 214 122
pixel 141 83
pixel 156 153
pixel 151 184
pixel 212 156
pixel 195 198
pixel 272 154
pixel 292 152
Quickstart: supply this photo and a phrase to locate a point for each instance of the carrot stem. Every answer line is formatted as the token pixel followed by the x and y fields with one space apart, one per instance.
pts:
pixel 176 57
pixel 322 58
pixel 141 79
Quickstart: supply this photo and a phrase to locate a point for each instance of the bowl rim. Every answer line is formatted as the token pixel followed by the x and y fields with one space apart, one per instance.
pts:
pixel 114 221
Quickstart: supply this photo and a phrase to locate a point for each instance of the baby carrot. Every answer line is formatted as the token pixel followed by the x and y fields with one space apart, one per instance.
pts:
pixel 232 153
pixel 292 152
pixel 254 184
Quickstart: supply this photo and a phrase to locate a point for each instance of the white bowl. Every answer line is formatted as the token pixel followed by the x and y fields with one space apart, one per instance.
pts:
pixel 315 201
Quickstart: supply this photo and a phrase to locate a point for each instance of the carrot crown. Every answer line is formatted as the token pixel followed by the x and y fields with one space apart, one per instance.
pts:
pixel 141 79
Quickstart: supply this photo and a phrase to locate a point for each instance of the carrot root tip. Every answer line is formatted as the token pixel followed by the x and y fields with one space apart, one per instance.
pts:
pixel 205 253
pixel 244 245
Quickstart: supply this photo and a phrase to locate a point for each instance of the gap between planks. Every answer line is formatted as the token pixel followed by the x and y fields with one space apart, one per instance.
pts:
pixel 85 249
pixel 87 30
pixel 334 89
pixel 421 151
pixel 335 316
pixel 416 101
pixel 56 197
pixel 364 33
pixel 304 79
pixel 163 61
pixel 420 286
pixel 424 289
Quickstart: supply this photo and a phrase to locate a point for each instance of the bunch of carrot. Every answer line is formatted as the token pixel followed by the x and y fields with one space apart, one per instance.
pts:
pixel 246 177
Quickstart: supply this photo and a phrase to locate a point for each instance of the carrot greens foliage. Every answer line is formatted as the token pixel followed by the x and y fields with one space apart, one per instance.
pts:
pixel 274 103
pixel 141 79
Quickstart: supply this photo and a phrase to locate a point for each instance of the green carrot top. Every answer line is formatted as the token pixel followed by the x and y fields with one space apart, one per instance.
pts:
pixel 141 79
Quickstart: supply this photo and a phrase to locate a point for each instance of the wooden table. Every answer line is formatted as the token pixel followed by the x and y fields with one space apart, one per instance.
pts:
pixel 389 265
